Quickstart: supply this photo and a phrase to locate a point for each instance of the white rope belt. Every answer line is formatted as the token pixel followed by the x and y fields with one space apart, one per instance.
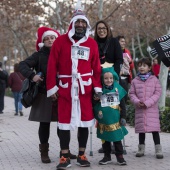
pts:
pixel 77 76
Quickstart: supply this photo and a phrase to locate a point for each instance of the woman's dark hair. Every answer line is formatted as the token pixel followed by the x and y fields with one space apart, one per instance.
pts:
pixel 16 67
pixel 144 60
pixel 109 33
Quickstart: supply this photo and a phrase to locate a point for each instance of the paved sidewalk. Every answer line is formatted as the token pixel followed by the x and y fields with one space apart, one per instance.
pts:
pixel 19 147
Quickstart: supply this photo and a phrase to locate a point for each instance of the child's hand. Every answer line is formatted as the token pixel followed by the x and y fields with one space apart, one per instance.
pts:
pixel 141 104
pixel 122 122
pixel 97 96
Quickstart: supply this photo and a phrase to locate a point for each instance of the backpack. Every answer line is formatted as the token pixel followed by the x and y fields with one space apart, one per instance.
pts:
pixel 29 91
pixel 125 67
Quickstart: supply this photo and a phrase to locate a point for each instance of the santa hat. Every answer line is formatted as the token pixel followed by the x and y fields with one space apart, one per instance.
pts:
pixel 78 14
pixel 43 32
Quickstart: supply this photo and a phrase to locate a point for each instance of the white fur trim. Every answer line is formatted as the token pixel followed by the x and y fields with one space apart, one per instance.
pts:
pixel 97 89
pixel 40 45
pixel 49 33
pixel 72 30
pixel 52 91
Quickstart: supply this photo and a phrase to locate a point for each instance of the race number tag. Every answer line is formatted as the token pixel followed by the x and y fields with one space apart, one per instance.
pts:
pixel 80 52
pixel 110 99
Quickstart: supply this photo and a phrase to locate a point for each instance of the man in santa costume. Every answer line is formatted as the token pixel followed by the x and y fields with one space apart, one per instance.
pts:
pixel 75 61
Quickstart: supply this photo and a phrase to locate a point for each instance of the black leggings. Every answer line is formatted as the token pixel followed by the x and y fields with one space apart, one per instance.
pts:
pixel 82 136
pixel 156 138
pixel 44 132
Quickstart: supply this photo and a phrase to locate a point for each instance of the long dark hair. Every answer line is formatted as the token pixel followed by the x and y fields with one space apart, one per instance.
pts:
pixel 109 33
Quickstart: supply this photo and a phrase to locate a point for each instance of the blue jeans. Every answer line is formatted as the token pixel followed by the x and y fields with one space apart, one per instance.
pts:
pixel 17 101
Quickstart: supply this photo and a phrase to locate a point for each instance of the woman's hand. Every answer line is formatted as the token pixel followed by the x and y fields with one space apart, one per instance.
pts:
pixel 37 78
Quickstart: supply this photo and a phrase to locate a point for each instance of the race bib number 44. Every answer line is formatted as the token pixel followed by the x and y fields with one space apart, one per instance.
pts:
pixel 80 52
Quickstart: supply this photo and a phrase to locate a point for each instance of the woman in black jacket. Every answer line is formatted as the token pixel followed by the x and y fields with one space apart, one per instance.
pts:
pixel 109 47
pixel 43 109
pixel 110 53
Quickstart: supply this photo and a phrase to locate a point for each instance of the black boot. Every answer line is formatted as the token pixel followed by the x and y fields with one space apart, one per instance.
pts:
pixel 44 148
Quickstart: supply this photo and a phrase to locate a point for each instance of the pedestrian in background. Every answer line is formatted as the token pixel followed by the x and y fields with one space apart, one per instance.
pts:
pixel 3 86
pixel 15 83
pixel 127 67
pixel 144 93
pixel 156 67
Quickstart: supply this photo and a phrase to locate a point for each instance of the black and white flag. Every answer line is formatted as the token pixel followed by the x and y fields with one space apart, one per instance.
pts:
pixel 162 49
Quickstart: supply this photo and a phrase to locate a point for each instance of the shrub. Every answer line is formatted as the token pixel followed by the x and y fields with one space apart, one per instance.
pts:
pixel 130 114
pixel 165 120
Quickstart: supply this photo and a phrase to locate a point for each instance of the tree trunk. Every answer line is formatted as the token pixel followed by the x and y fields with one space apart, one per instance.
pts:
pixel 163 74
pixel 100 14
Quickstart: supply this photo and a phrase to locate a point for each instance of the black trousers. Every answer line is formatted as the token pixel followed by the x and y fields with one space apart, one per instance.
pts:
pixel 156 138
pixel 82 137
pixel 2 94
pixel 107 148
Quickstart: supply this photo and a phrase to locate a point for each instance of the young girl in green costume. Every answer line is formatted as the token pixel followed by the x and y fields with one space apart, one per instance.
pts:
pixel 110 126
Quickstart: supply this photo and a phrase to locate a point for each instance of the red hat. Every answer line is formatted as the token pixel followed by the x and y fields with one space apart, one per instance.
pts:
pixel 43 32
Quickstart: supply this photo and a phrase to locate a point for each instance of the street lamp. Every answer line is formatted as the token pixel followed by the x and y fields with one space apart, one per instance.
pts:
pixel 5 58
pixel 136 59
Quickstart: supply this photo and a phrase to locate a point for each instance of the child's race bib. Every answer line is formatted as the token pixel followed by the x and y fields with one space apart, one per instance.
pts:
pixel 110 99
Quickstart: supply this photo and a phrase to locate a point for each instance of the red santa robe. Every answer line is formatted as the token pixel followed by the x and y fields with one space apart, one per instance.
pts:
pixel 77 66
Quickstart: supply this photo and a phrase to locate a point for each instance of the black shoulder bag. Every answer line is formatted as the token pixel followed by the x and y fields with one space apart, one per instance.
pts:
pixel 29 91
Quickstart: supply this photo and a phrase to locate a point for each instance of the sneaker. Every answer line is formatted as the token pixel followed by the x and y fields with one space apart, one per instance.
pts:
pixel 64 163
pixel 21 113
pixel 15 114
pixel 106 160
pixel 82 161
pixel 120 160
